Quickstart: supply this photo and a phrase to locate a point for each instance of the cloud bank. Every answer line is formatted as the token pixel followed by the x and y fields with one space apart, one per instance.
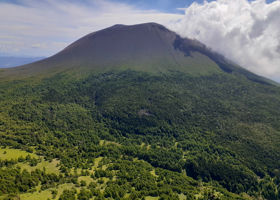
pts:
pixel 246 32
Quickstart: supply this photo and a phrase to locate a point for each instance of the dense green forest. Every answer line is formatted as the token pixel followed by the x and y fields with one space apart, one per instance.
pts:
pixel 136 135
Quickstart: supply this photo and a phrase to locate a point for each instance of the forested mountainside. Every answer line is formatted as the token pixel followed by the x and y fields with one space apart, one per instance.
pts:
pixel 137 112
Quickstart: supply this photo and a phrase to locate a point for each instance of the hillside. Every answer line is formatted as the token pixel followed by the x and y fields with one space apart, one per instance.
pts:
pixel 137 112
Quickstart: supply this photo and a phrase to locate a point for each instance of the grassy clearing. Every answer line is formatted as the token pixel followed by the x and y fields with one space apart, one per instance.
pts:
pixel 153 172
pixel 96 162
pixel 151 198
pixel 9 154
pixel 182 196
pixel 50 167
pixel 87 179
pixel 44 195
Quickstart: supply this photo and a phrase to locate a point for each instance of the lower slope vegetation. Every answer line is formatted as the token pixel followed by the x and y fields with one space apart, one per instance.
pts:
pixel 134 135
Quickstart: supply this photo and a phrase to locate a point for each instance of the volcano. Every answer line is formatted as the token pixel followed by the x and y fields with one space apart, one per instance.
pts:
pixel 146 47
pixel 138 112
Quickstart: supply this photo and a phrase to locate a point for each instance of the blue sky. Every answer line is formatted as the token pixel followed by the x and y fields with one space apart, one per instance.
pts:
pixel 165 5
pixel 245 31
pixel 160 5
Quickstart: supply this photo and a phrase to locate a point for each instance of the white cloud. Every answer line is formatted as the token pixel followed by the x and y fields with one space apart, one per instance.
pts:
pixel 246 32
pixel 40 28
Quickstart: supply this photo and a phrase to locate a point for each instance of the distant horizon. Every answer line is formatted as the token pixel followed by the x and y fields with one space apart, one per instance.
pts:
pixel 14 61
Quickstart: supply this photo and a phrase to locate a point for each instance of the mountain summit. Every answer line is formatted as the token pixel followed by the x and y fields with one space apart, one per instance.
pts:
pixel 146 47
